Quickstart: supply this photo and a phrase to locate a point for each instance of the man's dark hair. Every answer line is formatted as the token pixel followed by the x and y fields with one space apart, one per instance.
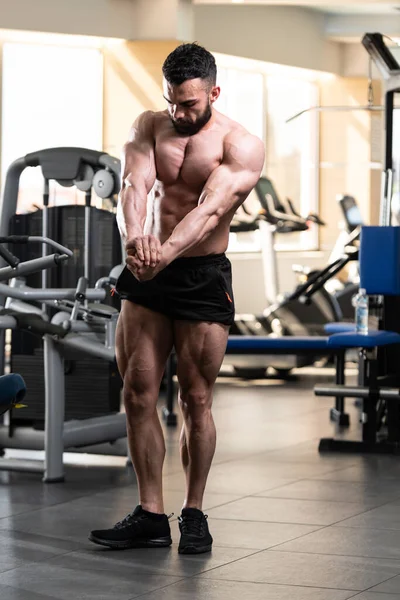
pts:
pixel 190 61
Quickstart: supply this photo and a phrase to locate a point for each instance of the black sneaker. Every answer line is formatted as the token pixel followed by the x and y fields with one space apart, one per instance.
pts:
pixel 139 529
pixel 195 537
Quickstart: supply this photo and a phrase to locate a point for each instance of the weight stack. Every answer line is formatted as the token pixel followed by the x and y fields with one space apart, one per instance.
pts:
pixel 66 225
pixel 92 387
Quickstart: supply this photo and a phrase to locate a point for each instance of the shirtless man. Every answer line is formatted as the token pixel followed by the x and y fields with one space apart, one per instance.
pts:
pixel 176 287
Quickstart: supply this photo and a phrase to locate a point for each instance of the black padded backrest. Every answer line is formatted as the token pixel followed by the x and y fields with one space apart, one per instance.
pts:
pixel 265 186
pixel 351 212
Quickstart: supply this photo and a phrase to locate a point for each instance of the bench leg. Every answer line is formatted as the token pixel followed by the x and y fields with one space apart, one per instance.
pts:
pixel 338 414
pixel 168 413
pixel 367 377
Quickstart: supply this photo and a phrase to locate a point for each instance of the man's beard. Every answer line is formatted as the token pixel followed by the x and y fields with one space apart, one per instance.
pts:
pixel 188 128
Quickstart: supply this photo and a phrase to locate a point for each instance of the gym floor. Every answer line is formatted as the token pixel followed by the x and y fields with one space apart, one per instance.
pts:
pixel 287 522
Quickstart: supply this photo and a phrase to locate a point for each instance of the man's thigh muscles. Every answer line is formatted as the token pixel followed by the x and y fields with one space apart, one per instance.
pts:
pixel 144 340
pixel 200 348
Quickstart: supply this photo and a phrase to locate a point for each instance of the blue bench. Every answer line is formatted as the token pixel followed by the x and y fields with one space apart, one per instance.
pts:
pixel 335 345
pixel 378 385
pixel 339 327
pixel 12 391
pixel 337 341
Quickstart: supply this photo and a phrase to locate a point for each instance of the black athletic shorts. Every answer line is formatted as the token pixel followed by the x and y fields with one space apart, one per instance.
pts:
pixel 195 288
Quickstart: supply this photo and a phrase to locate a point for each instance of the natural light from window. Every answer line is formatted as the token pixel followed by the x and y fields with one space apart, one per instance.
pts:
pixel 52 97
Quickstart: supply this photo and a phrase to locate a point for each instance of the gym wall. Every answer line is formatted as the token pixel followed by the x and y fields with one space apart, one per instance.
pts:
pixel 105 18
pixel 132 84
pixel 350 152
pixel 285 35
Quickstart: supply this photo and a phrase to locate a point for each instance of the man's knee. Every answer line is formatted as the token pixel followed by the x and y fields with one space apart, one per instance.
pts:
pixel 140 400
pixel 195 401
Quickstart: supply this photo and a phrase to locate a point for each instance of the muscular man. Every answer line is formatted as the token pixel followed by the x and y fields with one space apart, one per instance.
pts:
pixel 186 170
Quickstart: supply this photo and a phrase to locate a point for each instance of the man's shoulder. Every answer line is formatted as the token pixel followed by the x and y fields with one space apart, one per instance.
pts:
pixel 235 132
pixel 239 142
pixel 151 117
pixel 146 121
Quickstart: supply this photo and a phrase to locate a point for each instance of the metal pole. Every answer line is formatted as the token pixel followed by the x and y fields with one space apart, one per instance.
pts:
pixel 168 411
pixel 45 232
pixel 386 200
pixel 86 271
pixel 269 261
pixel 54 411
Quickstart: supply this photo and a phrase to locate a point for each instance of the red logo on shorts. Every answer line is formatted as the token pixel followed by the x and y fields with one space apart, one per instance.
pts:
pixel 228 296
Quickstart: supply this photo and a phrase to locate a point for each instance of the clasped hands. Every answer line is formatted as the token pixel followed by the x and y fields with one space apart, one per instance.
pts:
pixel 144 257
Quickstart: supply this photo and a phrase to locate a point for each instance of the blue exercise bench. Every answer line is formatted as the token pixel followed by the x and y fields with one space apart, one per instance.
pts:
pixel 378 385
pixel 12 391
pixel 334 345
pixel 339 327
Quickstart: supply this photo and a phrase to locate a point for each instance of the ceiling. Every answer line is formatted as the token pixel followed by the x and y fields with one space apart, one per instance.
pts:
pixel 365 7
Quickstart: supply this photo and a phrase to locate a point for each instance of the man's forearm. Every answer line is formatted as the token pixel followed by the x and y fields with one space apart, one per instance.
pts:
pixel 131 213
pixel 194 228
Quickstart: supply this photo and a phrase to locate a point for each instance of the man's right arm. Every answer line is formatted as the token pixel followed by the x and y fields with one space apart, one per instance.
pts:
pixel 138 177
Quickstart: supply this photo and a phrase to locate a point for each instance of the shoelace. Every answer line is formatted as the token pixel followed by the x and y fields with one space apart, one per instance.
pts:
pixel 130 520
pixel 192 525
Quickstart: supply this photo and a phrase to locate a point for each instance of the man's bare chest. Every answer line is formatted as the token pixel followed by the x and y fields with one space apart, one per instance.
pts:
pixel 190 159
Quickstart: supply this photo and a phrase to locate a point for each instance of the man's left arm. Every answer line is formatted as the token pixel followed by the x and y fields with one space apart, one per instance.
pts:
pixel 227 187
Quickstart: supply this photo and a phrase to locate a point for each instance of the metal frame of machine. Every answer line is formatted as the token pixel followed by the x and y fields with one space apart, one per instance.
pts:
pixel 81 323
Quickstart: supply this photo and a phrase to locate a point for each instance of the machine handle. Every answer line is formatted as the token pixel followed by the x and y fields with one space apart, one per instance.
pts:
pixel 12 260
pixel 25 239
pixel 80 293
pixel 31 266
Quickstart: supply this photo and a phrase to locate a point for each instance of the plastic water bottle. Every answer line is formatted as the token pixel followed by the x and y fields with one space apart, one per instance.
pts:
pixel 360 302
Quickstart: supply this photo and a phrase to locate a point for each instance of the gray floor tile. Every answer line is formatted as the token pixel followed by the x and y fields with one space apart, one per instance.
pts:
pixel 127 498
pixel 72 521
pixel 308 452
pixel 384 517
pixel 225 480
pixel 369 472
pixel 15 490
pixel 10 593
pixel 250 534
pixel 173 500
pixel 276 469
pixel 288 568
pixel 164 561
pixel 391 586
pixel 250 477
pixel 17 549
pixel 367 494
pixel 376 596
pixel 234 590
pixel 282 510
pixel 7 508
pixel 64 583
pixel 348 542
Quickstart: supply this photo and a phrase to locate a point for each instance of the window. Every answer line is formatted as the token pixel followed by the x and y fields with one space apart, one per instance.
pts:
pixel 292 151
pixel 262 98
pixel 52 96
pixel 242 98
